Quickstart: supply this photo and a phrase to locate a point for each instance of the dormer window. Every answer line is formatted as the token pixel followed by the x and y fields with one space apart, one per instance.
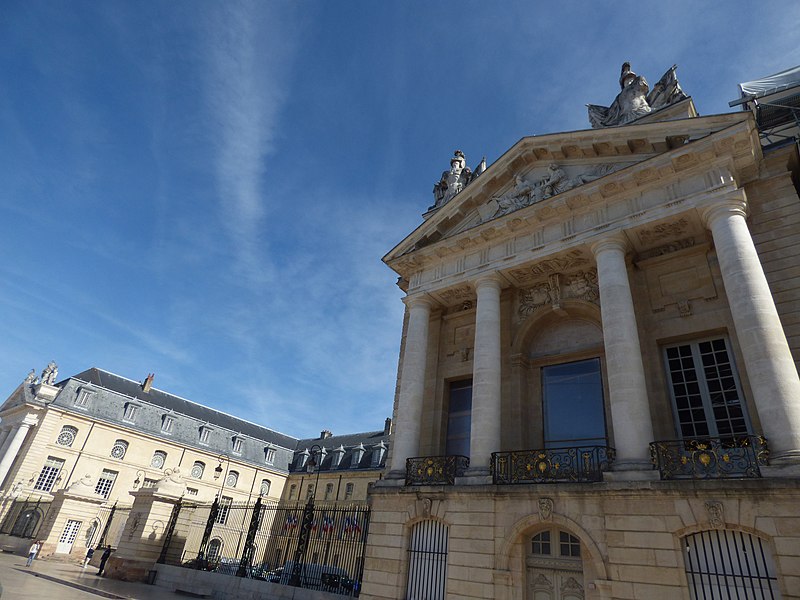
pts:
pixel 303 460
pixel 358 454
pixel 269 455
pixel 131 410
pixel 205 434
pixel 378 452
pixel 82 399
pixel 167 423
pixel 237 444
pixel 336 459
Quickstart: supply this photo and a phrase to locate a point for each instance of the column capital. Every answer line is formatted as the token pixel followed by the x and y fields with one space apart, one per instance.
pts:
pixel 616 241
pixel 491 280
pixel 421 300
pixel 734 204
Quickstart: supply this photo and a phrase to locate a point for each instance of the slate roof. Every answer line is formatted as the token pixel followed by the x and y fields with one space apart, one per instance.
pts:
pixel 350 442
pixel 182 406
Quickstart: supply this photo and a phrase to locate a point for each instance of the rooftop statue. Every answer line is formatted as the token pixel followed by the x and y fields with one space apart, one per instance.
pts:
pixel 456 179
pixel 50 373
pixel 636 98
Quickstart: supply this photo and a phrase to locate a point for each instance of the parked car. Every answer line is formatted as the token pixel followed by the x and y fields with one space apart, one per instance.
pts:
pixel 314 576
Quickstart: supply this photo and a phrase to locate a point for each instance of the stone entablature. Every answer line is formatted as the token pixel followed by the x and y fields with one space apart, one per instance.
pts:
pixel 651 189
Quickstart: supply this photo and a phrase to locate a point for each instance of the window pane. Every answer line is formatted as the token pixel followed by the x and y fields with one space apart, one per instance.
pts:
pixel 573 404
pixel 459 419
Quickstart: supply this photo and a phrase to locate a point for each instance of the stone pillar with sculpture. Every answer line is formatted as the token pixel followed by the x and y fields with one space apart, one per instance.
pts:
pixel 144 534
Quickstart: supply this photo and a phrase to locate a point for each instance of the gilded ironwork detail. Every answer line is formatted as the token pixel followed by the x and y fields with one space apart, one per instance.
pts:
pixel 552 465
pixel 435 470
pixel 710 458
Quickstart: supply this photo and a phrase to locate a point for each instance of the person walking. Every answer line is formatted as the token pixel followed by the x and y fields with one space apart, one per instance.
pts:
pixel 104 558
pixel 34 550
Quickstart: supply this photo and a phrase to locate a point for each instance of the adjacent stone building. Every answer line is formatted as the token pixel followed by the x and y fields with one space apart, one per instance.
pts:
pixel 598 393
pixel 76 454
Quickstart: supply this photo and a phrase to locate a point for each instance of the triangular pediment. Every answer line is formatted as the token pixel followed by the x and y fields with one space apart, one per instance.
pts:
pixel 542 176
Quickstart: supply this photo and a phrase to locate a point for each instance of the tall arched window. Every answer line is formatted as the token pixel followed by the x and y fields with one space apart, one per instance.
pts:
pixel 214 549
pixel 729 564
pixel 427 566
pixel 27 523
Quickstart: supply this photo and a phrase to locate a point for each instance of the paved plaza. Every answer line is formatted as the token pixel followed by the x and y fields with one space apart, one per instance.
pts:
pixel 64 581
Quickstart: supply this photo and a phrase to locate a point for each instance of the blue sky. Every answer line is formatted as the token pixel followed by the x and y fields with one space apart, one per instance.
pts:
pixel 204 190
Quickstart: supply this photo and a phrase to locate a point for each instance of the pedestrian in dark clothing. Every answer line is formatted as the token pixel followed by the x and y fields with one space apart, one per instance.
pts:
pixel 103 559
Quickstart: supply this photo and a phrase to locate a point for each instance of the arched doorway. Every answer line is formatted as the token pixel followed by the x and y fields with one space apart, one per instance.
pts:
pixel 554 566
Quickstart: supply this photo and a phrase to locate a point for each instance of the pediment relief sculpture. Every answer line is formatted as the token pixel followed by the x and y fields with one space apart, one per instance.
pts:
pixel 554 181
pixel 636 99
pixel 456 179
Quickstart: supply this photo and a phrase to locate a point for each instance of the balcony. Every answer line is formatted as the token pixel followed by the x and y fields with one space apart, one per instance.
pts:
pixel 435 470
pixel 580 464
pixel 710 458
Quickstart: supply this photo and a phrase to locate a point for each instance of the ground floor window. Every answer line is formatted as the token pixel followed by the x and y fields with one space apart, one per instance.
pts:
pixel 554 568
pixel 729 564
pixel 427 565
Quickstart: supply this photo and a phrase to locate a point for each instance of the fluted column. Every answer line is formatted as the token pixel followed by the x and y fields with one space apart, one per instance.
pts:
pixel 412 384
pixel 16 437
pixel 767 358
pixel 3 439
pixel 486 430
pixel 630 409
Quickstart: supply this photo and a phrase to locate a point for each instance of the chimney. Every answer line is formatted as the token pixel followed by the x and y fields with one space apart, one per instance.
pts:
pixel 148 382
pixel 387 426
pixel 325 434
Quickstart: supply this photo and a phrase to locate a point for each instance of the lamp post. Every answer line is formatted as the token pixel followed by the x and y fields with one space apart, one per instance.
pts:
pixel 139 477
pixel 308 519
pixel 218 471
pixel 214 510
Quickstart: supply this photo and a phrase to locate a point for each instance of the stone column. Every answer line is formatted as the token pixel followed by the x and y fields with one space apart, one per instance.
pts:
pixel 630 408
pixel 486 428
pixel 767 358
pixel 4 433
pixel 13 444
pixel 412 384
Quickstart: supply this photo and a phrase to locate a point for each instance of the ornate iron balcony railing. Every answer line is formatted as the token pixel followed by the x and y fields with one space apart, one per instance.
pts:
pixel 710 458
pixel 435 470
pixel 552 465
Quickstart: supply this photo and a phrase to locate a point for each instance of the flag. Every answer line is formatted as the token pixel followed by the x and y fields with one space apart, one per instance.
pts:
pixel 327 524
pixel 290 524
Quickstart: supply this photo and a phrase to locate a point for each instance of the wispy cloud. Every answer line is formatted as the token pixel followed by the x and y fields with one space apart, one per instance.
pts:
pixel 245 90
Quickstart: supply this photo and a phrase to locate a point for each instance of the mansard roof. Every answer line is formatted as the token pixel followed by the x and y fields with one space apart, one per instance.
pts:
pixel 637 154
pixel 350 442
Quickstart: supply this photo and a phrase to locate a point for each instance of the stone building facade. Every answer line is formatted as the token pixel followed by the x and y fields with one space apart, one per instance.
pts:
pixel 598 393
pixel 72 450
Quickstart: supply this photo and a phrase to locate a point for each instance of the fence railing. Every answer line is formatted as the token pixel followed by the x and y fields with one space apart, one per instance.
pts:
pixel 552 465
pixel 710 458
pixel 312 546
pixel 435 470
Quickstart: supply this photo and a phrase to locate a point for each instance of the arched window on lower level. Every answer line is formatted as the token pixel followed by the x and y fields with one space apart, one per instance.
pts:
pixel 27 523
pixel 214 550
pixel 729 564
pixel 427 564
pixel 554 568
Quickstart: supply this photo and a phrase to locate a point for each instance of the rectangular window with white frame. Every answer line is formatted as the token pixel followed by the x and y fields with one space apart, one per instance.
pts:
pixel 167 424
pixel 237 444
pixel 82 399
pixel 105 482
pixel 205 435
pixel 269 455
pixel 131 410
pixel 224 509
pixel 704 386
pixel 49 474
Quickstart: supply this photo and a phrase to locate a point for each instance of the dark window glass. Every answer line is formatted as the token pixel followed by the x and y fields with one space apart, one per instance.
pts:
pixel 459 418
pixel 573 404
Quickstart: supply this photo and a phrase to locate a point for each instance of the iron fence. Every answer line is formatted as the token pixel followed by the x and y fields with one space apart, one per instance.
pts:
pixel 24 518
pixel 435 470
pixel 710 458
pixel 552 465
pixel 312 546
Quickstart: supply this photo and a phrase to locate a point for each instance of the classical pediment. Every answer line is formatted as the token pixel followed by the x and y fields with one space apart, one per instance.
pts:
pixel 543 179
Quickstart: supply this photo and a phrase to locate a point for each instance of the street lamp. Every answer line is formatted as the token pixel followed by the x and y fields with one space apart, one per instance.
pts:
pixel 308 517
pixel 218 470
pixel 138 481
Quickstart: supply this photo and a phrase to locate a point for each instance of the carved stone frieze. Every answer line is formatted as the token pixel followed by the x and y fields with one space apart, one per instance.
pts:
pixel 457 295
pixel 668 248
pixel 662 231
pixel 679 277
pixel 579 285
pixel 559 264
